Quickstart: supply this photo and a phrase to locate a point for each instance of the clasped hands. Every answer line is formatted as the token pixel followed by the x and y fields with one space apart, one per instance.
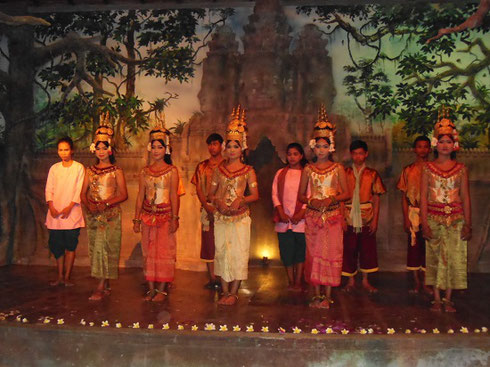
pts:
pixel 295 219
pixel 320 204
pixel 64 213
pixel 233 209
pixel 98 207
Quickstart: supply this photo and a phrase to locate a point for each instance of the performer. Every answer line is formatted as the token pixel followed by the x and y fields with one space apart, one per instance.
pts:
pixel 409 184
pixel 445 215
pixel 64 218
pixel 289 215
pixel 361 215
pixel 231 180
pixel 104 188
pixel 202 179
pixel 326 181
pixel 157 213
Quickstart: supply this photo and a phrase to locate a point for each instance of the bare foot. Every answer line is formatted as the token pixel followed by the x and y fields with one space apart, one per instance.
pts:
pixel 349 288
pixel 56 283
pixel 414 290
pixel 369 288
pixel 97 295
pixel 149 295
pixel 325 304
pixel 223 299
pixel 232 299
pixel 436 306
pixel 315 302
pixel 448 306
pixel 159 296
pixel 297 288
pixel 68 283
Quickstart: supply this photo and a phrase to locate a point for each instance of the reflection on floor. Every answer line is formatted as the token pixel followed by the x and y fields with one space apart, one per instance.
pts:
pixel 264 301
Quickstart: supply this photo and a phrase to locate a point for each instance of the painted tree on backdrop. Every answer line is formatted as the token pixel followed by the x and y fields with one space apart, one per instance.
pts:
pixel 443 60
pixel 75 59
pixel 159 43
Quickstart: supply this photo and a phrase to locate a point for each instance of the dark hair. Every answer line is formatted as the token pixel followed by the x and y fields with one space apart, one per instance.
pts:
pixel 301 151
pixel 214 137
pixel 66 140
pixel 330 158
pixel 421 138
pixel 452 156
pixel 167 157
pixel 112 157
pixel 356 144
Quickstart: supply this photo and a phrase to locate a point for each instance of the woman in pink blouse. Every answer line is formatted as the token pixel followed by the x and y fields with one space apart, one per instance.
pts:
pixel 64 218
pixel 289 215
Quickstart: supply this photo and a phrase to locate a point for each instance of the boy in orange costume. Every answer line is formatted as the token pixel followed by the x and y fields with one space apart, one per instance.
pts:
pixel 361 215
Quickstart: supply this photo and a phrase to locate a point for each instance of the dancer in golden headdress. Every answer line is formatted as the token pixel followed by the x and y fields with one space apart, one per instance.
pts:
pixel 232 218
pixel 104 188
pixel 157 213
pixel 445 215
pixel 326 181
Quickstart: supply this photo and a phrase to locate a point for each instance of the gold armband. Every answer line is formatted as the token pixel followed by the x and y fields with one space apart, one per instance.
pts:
pixel 253 184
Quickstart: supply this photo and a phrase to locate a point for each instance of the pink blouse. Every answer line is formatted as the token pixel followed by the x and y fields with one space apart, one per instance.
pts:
pixel 291 188
pixel 63 186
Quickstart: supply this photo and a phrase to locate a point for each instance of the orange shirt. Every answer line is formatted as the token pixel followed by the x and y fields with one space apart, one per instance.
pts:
pixel 409 182
pixel 371 185
pixel 203 176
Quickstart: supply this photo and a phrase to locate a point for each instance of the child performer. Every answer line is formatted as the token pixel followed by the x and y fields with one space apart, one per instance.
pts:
pixel 103 189
pixel 64 218
pixel 409 184
pixel 289 215
pixel 202 179
pixel 232 221
pixel 156 214
pixel 445 216
pixel 361 213
pixel 326 181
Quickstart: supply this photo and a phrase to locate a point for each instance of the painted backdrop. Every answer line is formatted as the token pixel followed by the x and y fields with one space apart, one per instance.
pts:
pixel 381 71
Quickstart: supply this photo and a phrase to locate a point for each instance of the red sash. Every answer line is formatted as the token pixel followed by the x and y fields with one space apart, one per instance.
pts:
pixel 281 179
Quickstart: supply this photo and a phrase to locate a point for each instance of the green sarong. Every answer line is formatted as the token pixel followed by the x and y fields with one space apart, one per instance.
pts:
pixel 446 256
pixel 104 238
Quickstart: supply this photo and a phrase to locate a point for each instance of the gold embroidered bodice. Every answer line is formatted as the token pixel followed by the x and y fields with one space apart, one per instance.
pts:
pixel 231 185
pixel 444 186
pixel 323 183
pixel 102 183
pixel 157 185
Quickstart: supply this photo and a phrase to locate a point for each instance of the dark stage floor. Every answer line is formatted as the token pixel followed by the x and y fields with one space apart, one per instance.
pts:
pixel 264 301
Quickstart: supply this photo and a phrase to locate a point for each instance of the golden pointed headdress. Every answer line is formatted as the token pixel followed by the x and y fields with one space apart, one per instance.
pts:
pixel 104 132
pixel 159 131
pixel 444 126
pixel 324 128
pixel 237 127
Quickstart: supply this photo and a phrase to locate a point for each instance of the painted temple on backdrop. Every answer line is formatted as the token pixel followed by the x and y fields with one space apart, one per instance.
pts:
pixel 281 81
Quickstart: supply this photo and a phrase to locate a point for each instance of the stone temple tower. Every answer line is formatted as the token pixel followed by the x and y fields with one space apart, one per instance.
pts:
pixel 265 58
pixel 312 79
pixel 219 90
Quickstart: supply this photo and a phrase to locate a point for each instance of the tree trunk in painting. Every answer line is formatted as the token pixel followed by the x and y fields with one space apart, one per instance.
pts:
pixel 17 213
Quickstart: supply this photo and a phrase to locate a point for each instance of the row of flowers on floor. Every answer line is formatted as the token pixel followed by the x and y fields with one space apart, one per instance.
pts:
pixel 248 328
